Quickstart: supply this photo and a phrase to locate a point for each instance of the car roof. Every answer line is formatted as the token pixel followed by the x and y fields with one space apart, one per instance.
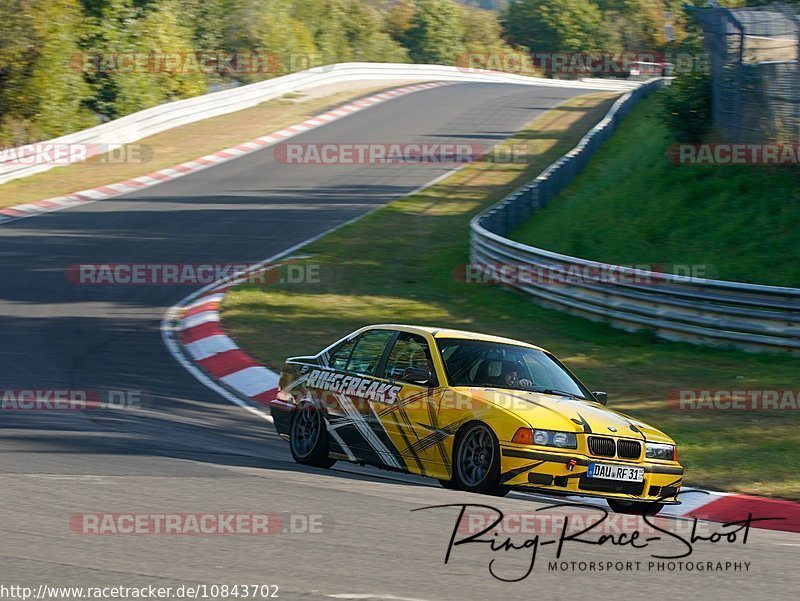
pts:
pixel 451 333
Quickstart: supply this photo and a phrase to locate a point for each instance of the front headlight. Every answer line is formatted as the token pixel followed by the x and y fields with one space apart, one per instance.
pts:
pixel 546 438
pixel 549 438
pixel 657 450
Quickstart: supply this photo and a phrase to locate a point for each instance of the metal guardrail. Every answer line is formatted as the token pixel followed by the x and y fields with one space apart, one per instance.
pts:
pixel 112 135
pixel 710 312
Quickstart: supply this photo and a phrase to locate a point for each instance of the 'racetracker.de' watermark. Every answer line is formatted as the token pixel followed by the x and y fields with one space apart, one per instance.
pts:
pixel 199 524
pixel 390 153
pixel 192 274
pixel 61 399
pixel 733 399
pixel 559 274
pixel 734 154
pixel 572 64
pixel 221 63
pixel 60 155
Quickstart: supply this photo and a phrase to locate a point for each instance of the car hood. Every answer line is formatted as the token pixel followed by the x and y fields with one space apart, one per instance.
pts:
pixel 555 412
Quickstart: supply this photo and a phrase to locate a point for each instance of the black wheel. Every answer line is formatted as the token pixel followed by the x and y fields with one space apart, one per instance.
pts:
pixel 477 461
pixel 308 437
pixel 634 507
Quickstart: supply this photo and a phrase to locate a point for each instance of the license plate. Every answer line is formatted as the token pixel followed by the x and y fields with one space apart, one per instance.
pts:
pixel 608 471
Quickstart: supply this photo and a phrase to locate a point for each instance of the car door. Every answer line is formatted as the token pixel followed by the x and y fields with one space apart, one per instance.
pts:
pixel 350 388
pixel 411 419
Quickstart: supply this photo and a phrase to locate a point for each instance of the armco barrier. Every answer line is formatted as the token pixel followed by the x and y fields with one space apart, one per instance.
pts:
pixel 131 128
pixel 711 312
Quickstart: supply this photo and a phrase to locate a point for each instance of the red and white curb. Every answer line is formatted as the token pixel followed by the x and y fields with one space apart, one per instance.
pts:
pixel 193 334
pixel 726 508
pixel 228 154
pixel 207 345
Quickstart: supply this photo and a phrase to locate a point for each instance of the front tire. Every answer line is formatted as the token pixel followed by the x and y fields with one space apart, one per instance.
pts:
pixel 308 437
pixel 634 507
pixel 477 461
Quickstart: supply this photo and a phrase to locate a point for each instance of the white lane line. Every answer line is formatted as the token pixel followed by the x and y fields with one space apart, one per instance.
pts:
pixel 171 322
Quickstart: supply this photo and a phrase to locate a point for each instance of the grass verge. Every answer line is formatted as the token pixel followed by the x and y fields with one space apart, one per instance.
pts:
pixel 397 264
pixel 181 144
pixel 631 205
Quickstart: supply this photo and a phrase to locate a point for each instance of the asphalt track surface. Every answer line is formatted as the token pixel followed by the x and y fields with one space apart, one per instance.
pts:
pixel 190 451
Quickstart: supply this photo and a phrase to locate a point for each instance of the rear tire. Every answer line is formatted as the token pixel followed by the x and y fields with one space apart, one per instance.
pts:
pixel 308 437
pixel 634 507
pixel 476 461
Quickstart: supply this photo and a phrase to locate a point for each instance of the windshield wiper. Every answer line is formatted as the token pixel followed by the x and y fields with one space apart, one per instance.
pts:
pixel 560 392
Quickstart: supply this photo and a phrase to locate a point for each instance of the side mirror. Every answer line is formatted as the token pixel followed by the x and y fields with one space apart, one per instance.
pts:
pixel 602 397
pixel 418 375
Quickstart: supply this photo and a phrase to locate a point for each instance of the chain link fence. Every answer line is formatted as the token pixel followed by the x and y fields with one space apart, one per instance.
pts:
pixel 755 71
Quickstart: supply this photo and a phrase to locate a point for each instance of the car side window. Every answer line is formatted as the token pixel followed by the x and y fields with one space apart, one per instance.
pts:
pixel 409 351
pixel 341 355
pixel 368 351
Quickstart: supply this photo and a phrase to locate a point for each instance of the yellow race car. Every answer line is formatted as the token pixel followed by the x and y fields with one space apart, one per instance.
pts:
pixel 479 413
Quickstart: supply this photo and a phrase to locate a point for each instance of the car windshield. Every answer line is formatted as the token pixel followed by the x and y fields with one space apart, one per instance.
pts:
pixel 496 365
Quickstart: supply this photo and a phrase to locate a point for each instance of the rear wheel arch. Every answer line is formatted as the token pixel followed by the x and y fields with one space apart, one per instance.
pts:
pixel 314 451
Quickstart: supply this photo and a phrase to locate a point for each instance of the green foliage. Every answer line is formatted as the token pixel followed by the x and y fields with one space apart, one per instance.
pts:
pixel 59 59
pixel 638 25
pixel 556 25
pixel 435 33
pixel 50 84
pixel 632 205
pixel 686 106
pixel 40 94
pixel 124 28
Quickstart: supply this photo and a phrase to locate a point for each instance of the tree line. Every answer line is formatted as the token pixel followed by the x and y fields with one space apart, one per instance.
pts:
pixel 70 64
